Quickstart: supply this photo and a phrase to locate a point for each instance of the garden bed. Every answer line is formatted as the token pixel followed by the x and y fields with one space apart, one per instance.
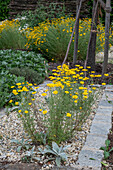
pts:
pixel 12 128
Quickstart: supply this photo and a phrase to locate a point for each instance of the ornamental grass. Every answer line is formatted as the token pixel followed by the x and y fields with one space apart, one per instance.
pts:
pixel 62 108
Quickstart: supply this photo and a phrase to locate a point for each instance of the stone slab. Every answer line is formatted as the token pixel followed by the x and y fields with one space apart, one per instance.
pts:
pixel 85 156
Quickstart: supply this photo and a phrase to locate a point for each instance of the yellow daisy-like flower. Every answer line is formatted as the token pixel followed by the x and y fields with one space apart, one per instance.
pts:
pixel 81 82
pixel 81 88
pixel 68 114
pixel 34 92
pixel 18 84
pixel 30 104
pixel 12 86
pixel 10 101
pixel 76 101
pixel 55 92
pixel 46 90
pixel 25 89
pixel 32 99
pixel 106 74
pixel 75 97
pixel 44 112
pixel 44 94
pixel 14 92
pixel 36 87
pixel 30 84
pixel 94 88
pixel 19 111
pixel 80 108
pixel 90 91
pixel 26 111
pixel 66 92
pixel 103 84
pixel 40 110
pixel 16 103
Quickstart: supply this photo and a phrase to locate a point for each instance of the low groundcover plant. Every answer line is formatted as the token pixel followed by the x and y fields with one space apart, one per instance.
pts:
pixel 64 107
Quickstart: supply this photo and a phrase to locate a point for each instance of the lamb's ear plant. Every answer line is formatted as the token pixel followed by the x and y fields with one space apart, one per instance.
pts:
pixel 30 155
pixel 21 144
pixel 106 149
pixel 56 151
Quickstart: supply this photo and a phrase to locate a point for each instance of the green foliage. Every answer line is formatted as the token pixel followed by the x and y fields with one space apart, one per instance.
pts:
pixel 58 152
pixel 33 18
pixel 29 74
pixel 21 144
pixel 22 59
pixel 4 9
pixel 6 81
pixel 12 38
pixel 106 149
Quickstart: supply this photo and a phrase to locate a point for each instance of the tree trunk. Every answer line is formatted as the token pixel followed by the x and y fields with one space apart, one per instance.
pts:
pixel 107 24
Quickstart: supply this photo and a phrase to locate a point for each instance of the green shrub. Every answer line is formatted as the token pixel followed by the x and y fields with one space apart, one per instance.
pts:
pixel 29 74
pixel 52 38
pixel 4 9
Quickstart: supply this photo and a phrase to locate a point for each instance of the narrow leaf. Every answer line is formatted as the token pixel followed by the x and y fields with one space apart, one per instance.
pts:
pixel 111 149
pixel 19 148
pixel 106 155
pixel 104 164
pixel 58 161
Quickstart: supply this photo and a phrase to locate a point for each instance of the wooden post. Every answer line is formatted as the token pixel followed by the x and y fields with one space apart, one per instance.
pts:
pixel 76 35
pixel 107 24
pixel 90 58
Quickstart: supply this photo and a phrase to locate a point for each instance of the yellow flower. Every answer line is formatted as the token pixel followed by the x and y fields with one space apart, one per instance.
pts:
pixel 12 86
pixel 44 112
pixel 81 82
pixel 55 92
pixel 26 111
pixel 103 84
pixel 14 92
pixel 66 92
pixel 68 115
pixel 18 84
pixel 90 91
pixel 75 97
pixel 30 84
pixel 20 90
pixel 25 89
pixel 36 87
pixel 32 99
pixel 76 101
pixel 34 92
pixel 46 90
pixel 40 110
pixel 16 103
pixel 44 94
pixel 81 88
pixel 19 111
pixel 80 108
pixel 30 103
pixel 94 88
pixel 106 74
pixel 10 101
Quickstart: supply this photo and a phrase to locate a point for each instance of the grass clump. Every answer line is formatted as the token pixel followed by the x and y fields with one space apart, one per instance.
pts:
pixel 10 36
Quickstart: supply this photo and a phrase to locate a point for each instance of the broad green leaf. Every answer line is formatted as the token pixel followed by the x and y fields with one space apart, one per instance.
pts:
pixel 106 154
pixel 103 148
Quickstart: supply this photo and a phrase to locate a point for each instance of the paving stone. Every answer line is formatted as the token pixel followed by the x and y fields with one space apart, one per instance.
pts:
pixel 105 111
pixel 105 103
pixel 103 118
pixel 85 157
pixel 95 141
pixel 101 128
